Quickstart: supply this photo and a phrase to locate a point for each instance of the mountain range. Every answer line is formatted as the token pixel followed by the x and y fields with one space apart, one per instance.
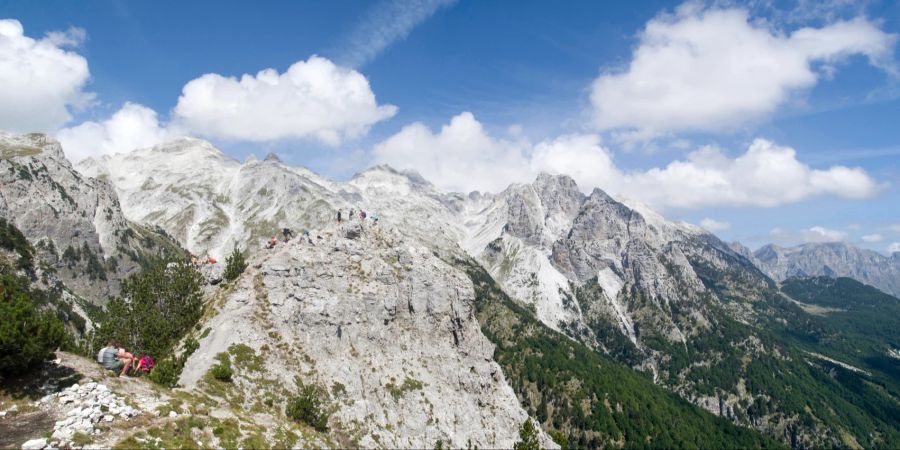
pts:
pixel 835 259
pixel 455 316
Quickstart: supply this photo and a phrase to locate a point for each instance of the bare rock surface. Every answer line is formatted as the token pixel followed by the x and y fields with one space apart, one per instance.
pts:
pixel 75 223
pixel 382 323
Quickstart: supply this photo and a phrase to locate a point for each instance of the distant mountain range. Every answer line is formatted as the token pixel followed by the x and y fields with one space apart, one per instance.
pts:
pixel 836 259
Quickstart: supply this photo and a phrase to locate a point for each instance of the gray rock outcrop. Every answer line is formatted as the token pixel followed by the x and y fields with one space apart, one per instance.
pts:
pixel 74 222
pixel 381 322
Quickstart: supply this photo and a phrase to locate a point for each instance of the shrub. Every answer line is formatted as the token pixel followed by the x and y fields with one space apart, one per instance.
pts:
pixel 307 407
pixel 234 265
pixel 222 372
pixel 528 437
pixel 28 336
pixel 13 240
pixel 165 373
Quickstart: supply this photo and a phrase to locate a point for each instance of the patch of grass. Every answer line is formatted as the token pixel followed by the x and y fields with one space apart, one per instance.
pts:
pixel 255 440
pixel 285 438
pixel 246 358
pixel 227 431
pixel 9 151
pixel 81 439
pixel 175 434
pixel 409 384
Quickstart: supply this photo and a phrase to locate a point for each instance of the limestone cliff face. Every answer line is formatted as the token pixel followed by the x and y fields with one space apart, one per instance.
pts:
pixel 74 222
pixel 378 314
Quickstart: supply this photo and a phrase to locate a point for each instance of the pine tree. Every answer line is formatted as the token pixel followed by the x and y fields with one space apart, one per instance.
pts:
pixel 28 336
pixel 234 265
pixel 528 437
pixel 157 307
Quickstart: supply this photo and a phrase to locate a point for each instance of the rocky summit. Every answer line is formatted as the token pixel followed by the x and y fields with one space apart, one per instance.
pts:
pixel 390 329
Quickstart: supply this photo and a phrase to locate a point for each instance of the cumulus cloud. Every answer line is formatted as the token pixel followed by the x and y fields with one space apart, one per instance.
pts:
pixel 894 247
pixel 312 99
pixel 133 126
pixel 462 156
pixel 873 238
pixel 716 69
pixel 41 80
pixel 808 235
pixel 714 225
pixel 822 234
pixel 765 175
pixel 386 22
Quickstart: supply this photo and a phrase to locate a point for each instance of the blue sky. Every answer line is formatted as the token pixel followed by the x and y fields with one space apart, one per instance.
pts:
pixel 559 87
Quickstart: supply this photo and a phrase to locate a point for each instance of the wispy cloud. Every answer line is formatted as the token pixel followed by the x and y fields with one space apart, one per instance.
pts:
pixel 384 24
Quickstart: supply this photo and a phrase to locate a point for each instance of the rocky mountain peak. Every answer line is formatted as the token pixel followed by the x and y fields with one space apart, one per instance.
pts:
pixel 76 221
pixel 32 144
pixel 386 179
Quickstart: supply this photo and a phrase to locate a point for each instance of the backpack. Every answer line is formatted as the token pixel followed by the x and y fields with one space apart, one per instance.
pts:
pixel 146 364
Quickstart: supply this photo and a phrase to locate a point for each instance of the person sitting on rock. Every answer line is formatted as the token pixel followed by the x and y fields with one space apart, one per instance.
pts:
pixel 115 358
pixel 107 355
pixel 272 242
pixel 126 358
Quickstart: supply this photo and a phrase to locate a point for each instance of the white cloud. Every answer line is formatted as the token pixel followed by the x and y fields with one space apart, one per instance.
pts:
pixel 714 225
pixel 765 175
pixel 463 157
pixel 895 227
pixel 386 23
pixel 812 234
pixel 873 237
pixel 133 126
pixel 312 99
pixel 894 247
pixel 716 69
pixel 822 234
pixel 72 37
pixel 40 80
